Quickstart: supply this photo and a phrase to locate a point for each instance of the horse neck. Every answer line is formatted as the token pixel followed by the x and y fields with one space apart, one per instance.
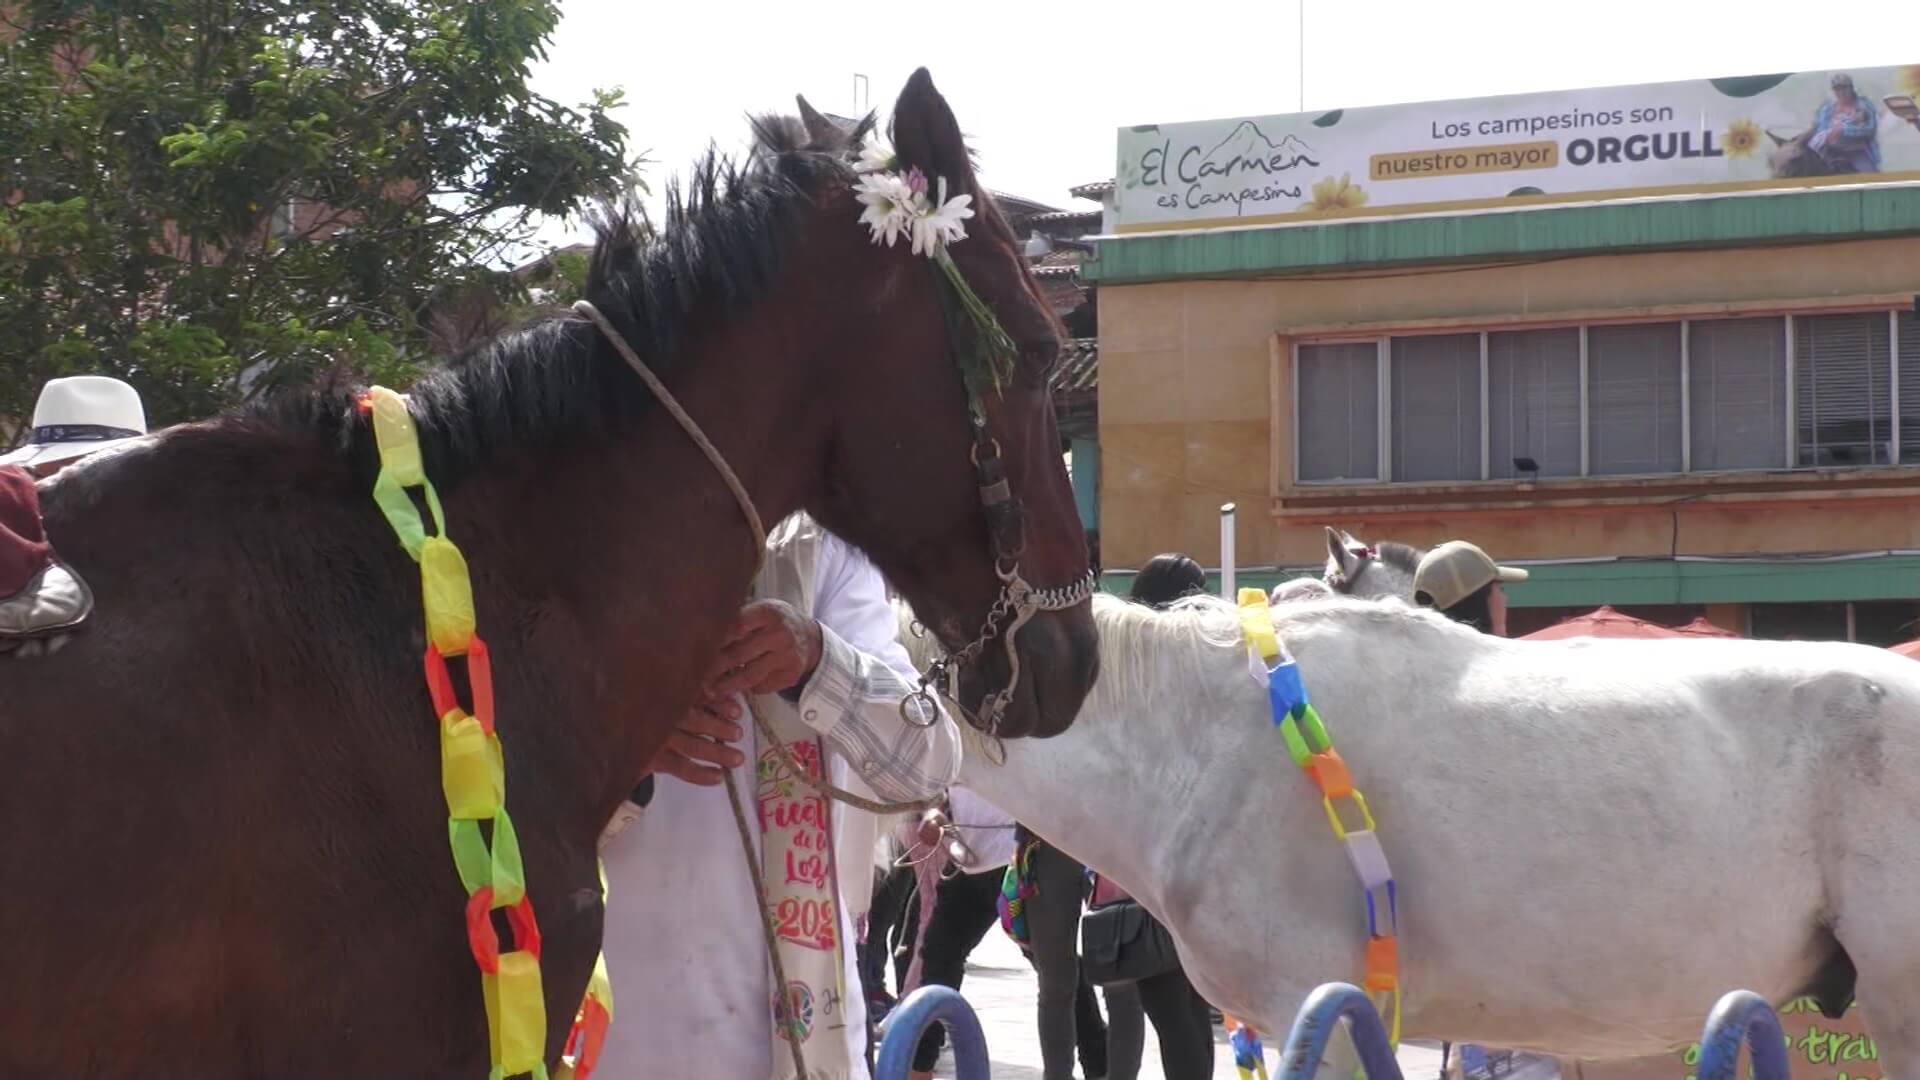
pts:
pixel 637 551
pixel 1117 790
pixel 1382 581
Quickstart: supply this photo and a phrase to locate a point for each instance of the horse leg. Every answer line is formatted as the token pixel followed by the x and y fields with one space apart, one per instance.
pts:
pixel 1886 961
pixel 1892 1012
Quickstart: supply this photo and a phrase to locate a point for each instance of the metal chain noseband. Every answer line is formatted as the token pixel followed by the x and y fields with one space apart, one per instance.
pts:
pixel 1018 601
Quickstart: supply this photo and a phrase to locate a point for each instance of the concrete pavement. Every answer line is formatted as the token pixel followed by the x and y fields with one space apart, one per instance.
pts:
pixel 1000 986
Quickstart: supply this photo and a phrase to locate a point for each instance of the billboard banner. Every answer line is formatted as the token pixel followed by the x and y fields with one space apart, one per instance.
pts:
pixel 1806 129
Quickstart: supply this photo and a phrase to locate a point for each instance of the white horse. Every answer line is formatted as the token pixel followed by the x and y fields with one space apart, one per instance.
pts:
pixel 1593 840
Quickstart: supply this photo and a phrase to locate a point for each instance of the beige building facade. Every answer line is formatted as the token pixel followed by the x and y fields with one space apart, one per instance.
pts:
pixel 1702 405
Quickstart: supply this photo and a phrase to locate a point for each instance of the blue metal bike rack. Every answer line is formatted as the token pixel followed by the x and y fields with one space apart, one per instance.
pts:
pixel 1319 1018
pixel 1742 1016
pixel 911 1018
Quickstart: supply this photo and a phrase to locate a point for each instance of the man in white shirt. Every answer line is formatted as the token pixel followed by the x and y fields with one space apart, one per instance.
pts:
pixel 818 651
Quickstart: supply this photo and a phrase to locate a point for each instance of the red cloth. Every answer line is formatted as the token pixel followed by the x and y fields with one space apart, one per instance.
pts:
pixel 24 550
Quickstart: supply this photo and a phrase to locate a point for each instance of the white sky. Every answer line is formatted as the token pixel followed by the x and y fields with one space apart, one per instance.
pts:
pixel 1041 86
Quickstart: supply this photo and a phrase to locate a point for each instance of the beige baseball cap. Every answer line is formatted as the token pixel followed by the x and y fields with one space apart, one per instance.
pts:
pixel 1456 570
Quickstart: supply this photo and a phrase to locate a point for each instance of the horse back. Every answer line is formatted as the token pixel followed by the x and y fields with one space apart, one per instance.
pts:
pixel 204 775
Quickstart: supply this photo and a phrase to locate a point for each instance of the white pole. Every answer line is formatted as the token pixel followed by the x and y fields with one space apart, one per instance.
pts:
pixel 1226 552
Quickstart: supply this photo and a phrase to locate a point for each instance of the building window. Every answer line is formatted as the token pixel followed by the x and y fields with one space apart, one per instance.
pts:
pixel 1436 407
pixel 1737 394
pixel 1840 376
pixel 1886 622
pixel 1823 621
pixel 1909 348
pixel 1633 398
pixel 1338 405
pixel 1533 403
pixel 1869 622
pixel 1615 399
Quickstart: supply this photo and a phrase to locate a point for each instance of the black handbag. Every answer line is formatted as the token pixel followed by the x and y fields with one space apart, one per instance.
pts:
pixel 1122 942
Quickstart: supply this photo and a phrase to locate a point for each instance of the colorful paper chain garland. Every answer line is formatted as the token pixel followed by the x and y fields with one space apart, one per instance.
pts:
pixel 473 777
pixel 1312 750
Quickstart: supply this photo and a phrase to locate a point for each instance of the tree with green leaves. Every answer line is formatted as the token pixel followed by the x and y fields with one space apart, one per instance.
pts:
pixel 212 197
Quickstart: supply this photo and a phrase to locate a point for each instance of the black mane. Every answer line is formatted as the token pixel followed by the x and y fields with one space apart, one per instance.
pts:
pixel 726 233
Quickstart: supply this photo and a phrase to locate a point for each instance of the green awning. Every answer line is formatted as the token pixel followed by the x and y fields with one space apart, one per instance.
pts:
pixel 1881 576
pixel 1797 217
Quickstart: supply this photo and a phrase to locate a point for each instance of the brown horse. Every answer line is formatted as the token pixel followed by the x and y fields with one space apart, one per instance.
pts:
pixel 227 850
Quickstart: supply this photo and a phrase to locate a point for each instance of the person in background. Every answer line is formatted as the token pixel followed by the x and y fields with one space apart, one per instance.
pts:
pixel 1463 583
pixel 817 655
pixel 965 905
pixel 1067 1010
pixel 75 417
pixel 1181 1017
pixel 1846 129
pixel 42 599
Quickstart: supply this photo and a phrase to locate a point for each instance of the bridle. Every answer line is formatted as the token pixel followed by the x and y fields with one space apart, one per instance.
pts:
pixel 1345 583
pixel 1018 601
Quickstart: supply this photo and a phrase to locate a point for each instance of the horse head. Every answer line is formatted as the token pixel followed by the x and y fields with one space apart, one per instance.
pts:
pixel 1791 157
pixel 1370 571
pixel 943 462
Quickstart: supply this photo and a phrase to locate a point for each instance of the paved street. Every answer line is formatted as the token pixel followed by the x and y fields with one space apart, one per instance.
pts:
pixel 1000 987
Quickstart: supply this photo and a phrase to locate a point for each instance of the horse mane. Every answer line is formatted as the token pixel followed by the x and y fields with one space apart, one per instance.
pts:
pixel 1197 642
pixel 1398 555
pixel 726 232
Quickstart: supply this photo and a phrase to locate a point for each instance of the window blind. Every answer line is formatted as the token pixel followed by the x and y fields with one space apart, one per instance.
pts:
pixel 1633 380
pixel 1533 401
pixel 1436 407
pixel 1338 412
pixel 1737 393
pixel 1841 372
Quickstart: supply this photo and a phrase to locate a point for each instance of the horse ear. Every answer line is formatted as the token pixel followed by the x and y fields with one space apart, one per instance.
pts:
pixel 821 132
pixel 926 135
pixel 1338 554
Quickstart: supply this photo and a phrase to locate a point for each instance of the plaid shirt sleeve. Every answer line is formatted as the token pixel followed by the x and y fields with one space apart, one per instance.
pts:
pixel 855 696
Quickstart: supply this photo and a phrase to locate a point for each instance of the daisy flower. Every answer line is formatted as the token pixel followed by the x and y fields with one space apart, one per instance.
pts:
pixel 876 157
pixel 943 224
pixel 889 206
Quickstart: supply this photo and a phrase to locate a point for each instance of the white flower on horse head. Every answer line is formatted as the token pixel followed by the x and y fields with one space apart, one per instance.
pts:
pixel 889 205
pixel 938 226
pixel 876 157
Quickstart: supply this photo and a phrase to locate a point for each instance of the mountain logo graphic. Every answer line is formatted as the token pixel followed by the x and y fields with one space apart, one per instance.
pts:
pixel 1247 149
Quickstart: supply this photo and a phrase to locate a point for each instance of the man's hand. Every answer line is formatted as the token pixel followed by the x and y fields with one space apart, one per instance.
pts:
pixel 933 824
pixel 771 647
pixel 691 754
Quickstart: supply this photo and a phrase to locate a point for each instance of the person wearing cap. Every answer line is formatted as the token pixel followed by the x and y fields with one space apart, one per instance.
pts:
pixel 1463 583
pixel 41 598
pixel 1846 129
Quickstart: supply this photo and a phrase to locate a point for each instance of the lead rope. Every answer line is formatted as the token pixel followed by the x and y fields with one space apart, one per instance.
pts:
pixel 747 509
